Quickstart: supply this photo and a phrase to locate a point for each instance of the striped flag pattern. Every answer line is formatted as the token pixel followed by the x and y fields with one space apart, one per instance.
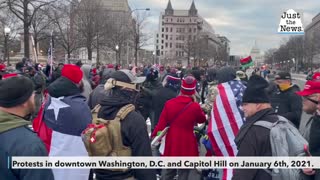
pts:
pixel 226 120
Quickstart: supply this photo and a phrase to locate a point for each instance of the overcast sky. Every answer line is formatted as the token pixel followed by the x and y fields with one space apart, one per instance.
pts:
pixel 242 21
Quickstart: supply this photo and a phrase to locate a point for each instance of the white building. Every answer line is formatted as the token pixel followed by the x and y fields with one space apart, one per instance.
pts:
pixel 256 55
pixel 184 35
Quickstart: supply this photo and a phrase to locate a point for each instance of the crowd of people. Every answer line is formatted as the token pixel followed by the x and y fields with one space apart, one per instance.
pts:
pixel 225 102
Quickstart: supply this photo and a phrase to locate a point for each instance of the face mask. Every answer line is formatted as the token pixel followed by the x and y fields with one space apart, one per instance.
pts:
pixel 284 86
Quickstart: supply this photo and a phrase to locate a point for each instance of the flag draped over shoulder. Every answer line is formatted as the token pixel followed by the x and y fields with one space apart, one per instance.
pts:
pixel 226 120
pixel 246 62
pixel 60 128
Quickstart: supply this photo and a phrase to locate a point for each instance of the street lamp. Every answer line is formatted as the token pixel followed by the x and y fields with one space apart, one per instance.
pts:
pixel 7 31
pixel 117 52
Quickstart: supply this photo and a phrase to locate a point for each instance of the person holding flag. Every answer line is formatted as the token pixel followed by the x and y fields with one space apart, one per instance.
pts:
pixel 226 116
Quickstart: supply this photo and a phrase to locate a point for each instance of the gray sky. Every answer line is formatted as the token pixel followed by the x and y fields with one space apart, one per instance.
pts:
pixel 241 21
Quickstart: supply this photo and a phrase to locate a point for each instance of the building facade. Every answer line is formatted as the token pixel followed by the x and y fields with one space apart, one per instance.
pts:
pixel 185 38
pixel 312 41
pixel 256 55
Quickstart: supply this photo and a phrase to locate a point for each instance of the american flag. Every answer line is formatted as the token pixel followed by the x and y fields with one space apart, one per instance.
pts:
pixel 226 120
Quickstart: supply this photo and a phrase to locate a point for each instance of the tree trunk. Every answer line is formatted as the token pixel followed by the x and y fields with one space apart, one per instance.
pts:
pixel 26 40
pixel 89 53
pixel 136 55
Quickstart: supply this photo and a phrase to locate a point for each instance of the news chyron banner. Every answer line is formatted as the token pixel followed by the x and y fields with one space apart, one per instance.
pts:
pixel 163 162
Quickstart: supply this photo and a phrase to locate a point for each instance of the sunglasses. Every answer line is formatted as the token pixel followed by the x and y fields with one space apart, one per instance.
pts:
pixel 312 100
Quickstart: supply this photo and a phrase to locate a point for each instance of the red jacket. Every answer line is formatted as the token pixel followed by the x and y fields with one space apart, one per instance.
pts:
pixel 180 139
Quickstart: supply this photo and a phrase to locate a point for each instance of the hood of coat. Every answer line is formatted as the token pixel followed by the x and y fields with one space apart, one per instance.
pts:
pixel 86 71
pixel 226 74
pixel 116 99
pixel 63 87
pixel 10 121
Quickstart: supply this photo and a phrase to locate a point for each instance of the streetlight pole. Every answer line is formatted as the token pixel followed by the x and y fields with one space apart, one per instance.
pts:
pixel 6 44
pixel 135 36
pixel 117 52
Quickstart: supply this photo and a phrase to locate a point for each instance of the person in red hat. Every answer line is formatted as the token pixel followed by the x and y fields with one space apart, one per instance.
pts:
pixel 181 114
pixel 311 96
pixel 2 70
pixel 66 114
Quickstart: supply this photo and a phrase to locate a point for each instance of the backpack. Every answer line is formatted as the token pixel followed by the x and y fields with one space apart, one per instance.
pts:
pixel 103 137
pixel 285 140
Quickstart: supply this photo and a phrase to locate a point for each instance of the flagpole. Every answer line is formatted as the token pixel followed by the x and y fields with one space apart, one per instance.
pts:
pixel 35 55
pixel 51 54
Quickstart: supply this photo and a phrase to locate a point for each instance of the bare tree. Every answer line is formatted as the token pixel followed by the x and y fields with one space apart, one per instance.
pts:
pixel 88 23
pixel 139 38
pixel 40 26
pixel 61 17
pixel 25 10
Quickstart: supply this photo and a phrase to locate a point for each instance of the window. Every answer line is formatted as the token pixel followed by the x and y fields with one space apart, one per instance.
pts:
pixel 162 41
pixel 166 37
pixel 162 35
pixel 190 30
pixel 171 19
pixel 195 30
pixel 170 29
pixel 170 37
pixel 157 47
pixel 161 52
pixel 166 19
pixel 177 53
pixel 162 29
pixel 157 35
pixel 157 41
pixel 161 47
pixel 166 45
pixel 190 20
pixel 167 29
pixel 170 45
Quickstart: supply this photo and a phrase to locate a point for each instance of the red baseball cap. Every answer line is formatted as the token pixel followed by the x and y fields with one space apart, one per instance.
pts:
pixel 311 87
pixel 316 76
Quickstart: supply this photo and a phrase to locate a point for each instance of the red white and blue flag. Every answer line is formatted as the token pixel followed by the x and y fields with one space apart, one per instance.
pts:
pixel 59 125
pixel 226 120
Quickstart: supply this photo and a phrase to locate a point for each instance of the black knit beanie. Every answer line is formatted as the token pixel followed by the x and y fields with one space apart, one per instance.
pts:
pixel 15 91
pixel 256 90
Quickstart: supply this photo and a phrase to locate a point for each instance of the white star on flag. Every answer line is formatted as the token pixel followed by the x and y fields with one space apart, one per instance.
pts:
pixel 56 105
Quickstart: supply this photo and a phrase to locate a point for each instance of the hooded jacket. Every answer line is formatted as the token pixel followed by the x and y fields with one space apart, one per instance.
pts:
pixel 18 140
pixel 287 104
pixel 86 81
pixel 133 131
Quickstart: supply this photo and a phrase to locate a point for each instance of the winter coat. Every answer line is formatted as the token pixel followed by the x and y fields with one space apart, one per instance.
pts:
pixel 86 81
pixel 314 143
pixel 149 91
pixel 180 139
pixel 161 97
pixel 288 104
pixel 18 140
pixel 133 132
pixel 254 141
